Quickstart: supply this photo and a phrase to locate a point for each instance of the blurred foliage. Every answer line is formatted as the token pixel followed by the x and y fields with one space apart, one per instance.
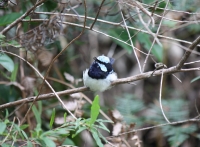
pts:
pixel 48 138
pixel 44 130
pixel 132 107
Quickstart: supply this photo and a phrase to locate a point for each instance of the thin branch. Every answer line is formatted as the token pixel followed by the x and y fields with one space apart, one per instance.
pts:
pixel 129 36
pixel 97 14
pixel 147 27
pixel 21 17
pixel 161 125
pixel 108 22
pixel 170 10
pixel 187 53
pixel 160 98
pixel 154 38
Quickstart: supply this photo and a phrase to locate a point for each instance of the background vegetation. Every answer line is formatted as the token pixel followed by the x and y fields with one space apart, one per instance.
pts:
pixel 46 45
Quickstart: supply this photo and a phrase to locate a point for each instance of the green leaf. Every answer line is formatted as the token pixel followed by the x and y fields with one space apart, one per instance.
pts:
pixel 80 129
pixel 37 115
pixel 39 107
pixel 102 137
pixel 52 118
pixel 7 114
pixel 65 117
pixel 29 144
pixel 157 50
pixel 9 18
pixel 5 75
pixel 24 126
pixel 24 134
pixel 195 79
pixel 94 110
pixel 14 73
pixel 63 131
pixel 178 134
pixel 7 62
pixel 5 145
pixel 13 43
pixel 50 5
pixel 2 37
pixel 169 23
pixel 96 137
pixel 48 142
pixel 68 141
pixel 101 120
pixel 122 35
pixel 77 123
pixel 2 127
pixel 177 140
pixel 102 126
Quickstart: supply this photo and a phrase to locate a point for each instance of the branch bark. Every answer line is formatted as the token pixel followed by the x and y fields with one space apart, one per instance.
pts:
pixel 187 53
pixel 82 89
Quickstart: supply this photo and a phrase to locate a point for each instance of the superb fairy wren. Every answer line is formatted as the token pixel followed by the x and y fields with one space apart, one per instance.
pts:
pixel 100 74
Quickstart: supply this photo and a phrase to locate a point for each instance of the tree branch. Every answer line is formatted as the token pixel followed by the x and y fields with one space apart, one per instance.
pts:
pixel 97 14
pixel 20 18
pixel 82 89
pixel 187 53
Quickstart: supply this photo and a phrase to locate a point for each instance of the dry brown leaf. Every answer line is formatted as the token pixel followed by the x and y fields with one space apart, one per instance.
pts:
pixel 69 77
pixel 116 114
pixel 59 120
pixel 117 129
pixel 45 57
pixel 71 105
pixel 76 95
pixel 28 83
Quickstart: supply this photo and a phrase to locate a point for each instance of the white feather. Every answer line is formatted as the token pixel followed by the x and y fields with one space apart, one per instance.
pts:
pixel 104 59
pixel 98 84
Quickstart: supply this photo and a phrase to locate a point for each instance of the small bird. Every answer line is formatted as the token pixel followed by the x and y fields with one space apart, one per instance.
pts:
pixel 100 74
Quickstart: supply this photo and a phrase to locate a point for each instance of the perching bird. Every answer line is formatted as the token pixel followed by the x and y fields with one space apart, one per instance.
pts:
pixel 100 74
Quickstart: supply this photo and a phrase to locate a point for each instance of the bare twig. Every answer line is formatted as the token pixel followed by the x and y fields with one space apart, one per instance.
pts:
pixel 154 38
pixel 187 53
pixel 21 17
pixel 160 99
pixel 97 14
pixel 131 40
pixel 107 22
pixel 147 27
pixel 161 125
